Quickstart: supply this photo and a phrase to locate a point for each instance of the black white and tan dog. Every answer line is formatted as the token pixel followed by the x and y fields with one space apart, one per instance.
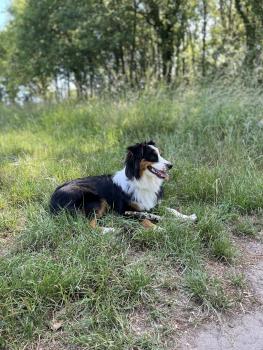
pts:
pixel 136 189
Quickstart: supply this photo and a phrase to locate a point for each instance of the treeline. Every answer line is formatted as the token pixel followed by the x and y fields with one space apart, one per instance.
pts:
pixel 78 47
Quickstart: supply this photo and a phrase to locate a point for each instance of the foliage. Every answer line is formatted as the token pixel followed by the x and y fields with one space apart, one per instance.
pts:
pixel 67 47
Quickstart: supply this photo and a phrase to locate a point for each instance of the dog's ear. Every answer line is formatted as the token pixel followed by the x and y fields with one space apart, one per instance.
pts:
pixel 133 159
pixel 150 143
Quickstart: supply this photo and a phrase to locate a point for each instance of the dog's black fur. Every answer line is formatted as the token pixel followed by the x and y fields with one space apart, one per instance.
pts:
pixel 86 194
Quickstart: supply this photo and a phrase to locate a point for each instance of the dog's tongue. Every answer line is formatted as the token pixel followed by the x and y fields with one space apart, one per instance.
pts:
pixel 162 174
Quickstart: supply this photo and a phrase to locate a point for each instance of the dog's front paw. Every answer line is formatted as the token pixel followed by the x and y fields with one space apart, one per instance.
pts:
pixel 193 217
pixel 106 230
pixel 159 229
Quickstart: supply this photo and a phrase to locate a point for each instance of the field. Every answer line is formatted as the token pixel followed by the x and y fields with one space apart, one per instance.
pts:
pixel 64 285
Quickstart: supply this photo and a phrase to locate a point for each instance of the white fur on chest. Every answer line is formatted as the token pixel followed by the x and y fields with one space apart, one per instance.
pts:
pixel 143 191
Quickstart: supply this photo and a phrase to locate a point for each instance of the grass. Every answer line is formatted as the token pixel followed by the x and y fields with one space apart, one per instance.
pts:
pixel 209 292
pixel 59 269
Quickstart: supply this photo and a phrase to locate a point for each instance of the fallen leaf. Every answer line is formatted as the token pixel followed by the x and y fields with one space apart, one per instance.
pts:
pixel 56 325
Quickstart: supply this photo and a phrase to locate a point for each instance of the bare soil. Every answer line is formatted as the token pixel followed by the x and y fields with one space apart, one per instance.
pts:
pixel 241 331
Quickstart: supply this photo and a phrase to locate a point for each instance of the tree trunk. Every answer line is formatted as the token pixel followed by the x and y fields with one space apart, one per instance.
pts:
pixel 167 51
pixel 204 38
pixel 250 30
pixel 123 71
pixel 132 59
pixel 68 84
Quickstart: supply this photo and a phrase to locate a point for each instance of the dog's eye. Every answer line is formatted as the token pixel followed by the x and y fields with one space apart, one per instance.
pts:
pixel 153 157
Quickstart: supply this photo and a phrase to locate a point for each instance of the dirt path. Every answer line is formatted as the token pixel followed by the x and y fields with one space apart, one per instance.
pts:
pixel 243 331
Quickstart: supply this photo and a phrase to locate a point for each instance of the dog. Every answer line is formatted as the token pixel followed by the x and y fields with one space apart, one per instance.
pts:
pixel 137 188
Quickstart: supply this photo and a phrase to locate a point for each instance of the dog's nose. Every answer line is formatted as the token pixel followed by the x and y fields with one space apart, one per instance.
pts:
pixel 169 166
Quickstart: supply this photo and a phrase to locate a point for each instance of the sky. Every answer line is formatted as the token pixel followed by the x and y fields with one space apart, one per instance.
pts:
pixel 4 4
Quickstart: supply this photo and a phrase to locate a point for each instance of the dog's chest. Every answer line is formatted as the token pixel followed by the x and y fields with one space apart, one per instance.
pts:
pixel 142 192
pixel 145 199
pixel 145 192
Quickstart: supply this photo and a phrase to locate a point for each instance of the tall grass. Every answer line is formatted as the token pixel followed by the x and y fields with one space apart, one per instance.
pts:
pixel 61 268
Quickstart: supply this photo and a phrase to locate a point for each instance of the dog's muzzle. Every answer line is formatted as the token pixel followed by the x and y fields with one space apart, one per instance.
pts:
pixel 162 174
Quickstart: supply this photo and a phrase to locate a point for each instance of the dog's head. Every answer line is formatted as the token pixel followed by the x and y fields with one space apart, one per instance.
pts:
pixel 144 159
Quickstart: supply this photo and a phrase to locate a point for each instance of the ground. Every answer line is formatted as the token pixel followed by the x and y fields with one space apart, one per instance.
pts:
pixel 243 330
pixel 64 285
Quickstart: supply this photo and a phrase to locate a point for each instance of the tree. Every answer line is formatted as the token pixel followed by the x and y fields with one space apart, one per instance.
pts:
pixel 107 44
pixel 167 19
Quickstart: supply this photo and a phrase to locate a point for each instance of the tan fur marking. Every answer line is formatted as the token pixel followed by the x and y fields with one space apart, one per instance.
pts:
pixel 93 223
pixel 103 209
pixel 99 213
pixel 144 165
pixel 148 224
pixel 134 206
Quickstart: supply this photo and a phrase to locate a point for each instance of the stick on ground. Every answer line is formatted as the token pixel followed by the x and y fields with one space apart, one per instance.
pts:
pixel 143 215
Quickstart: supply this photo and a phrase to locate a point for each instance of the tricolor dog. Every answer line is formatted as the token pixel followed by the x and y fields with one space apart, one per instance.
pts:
pixel 136 188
